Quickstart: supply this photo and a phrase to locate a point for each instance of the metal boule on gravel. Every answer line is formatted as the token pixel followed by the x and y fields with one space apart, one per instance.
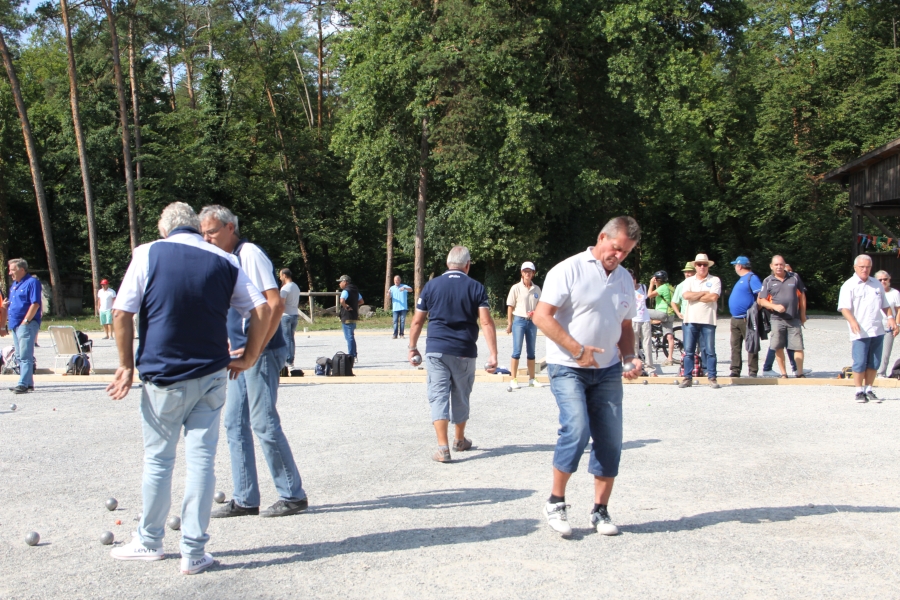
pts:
pixel 111 504
pixel 13 407
pixel 646 382
pixel 33 538
pixel 174 523
pixel 107 538
pixel 219 497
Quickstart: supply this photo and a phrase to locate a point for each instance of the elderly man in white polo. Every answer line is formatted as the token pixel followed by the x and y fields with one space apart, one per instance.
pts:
pixel 862 302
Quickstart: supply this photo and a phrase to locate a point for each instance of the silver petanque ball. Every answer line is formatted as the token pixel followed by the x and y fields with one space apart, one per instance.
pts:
pixel 416 360
pixel 174 523
pixel 13 407
pixel 219 497
pixel 626 367
pixel 107 538
pixel 33 538
pixel 646 382
pixel 111 504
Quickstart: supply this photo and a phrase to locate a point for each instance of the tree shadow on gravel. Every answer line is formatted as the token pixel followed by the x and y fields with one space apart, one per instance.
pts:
pixel 389 541
pixel 750 516
pixel 431 500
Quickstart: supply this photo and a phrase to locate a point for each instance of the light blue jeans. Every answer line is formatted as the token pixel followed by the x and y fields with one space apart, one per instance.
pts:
pixel 24 337
pixel 349 329
pixel 194 405
pixel 288 327
pixel 523 329
pixel 250 409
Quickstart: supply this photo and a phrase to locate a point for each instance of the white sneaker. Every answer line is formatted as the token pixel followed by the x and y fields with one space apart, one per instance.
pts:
pixel 556 518
pixel 770 373
pixel 603 523
pixel 135 550
pixel 513 385
pixel 535 383
pixel 192 566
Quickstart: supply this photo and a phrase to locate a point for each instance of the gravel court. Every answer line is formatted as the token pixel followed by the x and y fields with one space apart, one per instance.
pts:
pixel 713 496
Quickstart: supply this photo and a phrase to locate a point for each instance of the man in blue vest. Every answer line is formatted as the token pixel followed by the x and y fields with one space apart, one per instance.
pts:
pixel 252 396
pixel 24 314
pixel 183 289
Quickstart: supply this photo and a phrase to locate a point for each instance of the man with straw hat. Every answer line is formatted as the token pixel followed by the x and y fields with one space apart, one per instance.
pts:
pixel 702 293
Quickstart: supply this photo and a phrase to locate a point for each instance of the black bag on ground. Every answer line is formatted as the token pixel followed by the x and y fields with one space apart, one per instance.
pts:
pixel 895 371
pixel 341 365
pixel 285 372
pixel 78 365
pixel 323 365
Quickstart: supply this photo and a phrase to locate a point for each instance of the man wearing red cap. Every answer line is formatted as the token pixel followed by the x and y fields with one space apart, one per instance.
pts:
pixel 105 297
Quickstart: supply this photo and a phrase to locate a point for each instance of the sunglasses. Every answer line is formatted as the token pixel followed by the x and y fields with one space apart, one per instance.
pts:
pixel 885 279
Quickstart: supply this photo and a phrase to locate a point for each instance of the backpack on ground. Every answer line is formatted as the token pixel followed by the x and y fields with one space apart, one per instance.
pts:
pixel 78 364
pixel 8 363
pixel 698 368
pixel 341 365
pixel 323 366
pixel 286 372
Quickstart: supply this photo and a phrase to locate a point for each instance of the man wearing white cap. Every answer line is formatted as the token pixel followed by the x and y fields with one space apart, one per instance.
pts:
pixel 701 292
pixel 520 304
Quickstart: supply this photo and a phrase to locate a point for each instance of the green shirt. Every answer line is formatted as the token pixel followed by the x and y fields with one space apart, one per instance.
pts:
pixel 664 298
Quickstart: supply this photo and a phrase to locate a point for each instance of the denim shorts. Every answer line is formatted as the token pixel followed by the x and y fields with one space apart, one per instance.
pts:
pixel 450 380
pixel 867 353
pixel 590 406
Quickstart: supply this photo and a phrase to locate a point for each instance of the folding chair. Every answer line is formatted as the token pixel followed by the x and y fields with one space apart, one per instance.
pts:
pixel 65 344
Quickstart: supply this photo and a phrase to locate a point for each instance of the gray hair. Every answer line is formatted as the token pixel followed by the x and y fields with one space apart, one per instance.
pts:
pixel 221 213
pixel 20 263
pixel 617 225
pixel 881 274
pixel 458 257
pixel 177 214
pixel 865 256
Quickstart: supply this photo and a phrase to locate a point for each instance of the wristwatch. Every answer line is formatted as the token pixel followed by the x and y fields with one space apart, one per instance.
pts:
pixel 630 356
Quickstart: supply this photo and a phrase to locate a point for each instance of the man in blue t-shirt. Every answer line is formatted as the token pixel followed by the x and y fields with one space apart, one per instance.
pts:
pixel 454 304
pixel 398 293
pixel 24 314
pixel 743 296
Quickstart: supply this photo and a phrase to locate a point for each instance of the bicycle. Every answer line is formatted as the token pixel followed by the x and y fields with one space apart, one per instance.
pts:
pixel 659 343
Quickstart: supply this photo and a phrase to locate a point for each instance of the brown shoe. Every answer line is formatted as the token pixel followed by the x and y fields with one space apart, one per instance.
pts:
pixel 441 456
pixel 462 445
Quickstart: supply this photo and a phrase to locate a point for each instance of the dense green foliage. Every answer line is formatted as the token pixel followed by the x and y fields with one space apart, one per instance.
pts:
pixel 710 122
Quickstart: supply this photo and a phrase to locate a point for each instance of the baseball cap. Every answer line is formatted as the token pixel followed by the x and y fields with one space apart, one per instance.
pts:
pixel 741 260
pixel 688 266
pixel 104 282
pixel 344 278
pixel 528 265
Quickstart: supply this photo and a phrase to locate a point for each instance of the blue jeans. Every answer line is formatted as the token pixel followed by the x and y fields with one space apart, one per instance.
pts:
pixel 399 318
pixel 349 329
pixel 590 406
pixel 449 385
pixel 24 337
pixel 251 409
pixel 770 360
pixel 866 353
pixel 523 328
pixel 288 327
pixel 195 405
pixel 705 336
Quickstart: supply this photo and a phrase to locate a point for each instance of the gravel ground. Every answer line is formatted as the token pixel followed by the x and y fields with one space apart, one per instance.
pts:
pixel 739 492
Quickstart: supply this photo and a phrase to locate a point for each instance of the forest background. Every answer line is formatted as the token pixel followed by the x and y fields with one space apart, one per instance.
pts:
pixel 367 137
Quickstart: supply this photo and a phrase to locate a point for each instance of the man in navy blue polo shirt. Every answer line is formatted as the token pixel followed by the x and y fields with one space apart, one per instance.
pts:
pixel 743 296
pixel 183 289
pixel 24 314
pixel 454 304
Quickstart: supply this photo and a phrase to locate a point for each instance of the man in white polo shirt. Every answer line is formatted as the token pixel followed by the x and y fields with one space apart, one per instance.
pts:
pixel 585 311
pixel 862 302
pixel 702 293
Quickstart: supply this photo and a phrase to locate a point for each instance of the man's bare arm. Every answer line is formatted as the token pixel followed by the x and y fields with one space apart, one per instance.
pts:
pixel 123 326
pixel 545 321
pixel 256 340
pixel 490 336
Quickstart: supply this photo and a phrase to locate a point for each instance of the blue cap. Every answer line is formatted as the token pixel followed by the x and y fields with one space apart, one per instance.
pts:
pixel 741 260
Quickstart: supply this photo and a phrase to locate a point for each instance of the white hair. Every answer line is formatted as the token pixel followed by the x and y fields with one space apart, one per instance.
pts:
pixel 221 213
pixel 865 256
pixel 881 274
pixel 458 257
pixel 177 214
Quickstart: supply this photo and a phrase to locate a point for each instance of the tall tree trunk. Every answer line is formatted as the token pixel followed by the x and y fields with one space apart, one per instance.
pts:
pixel 171 77
pixel 82 158
pixel 319 85
pixel 135 102
pixel 59 305
pixel 419 269
pixel 4 232
pixel 388 279
pixel 123 122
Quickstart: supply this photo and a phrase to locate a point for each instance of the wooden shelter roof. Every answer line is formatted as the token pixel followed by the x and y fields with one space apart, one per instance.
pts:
pixel 838 175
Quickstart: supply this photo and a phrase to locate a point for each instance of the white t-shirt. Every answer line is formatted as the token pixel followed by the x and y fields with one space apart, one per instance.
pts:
pixel 866 300
pixel 291 294
pixel 641 314
pixel 702 313
pixel 258 267
pixel 591 306
pixel 106 298
pixel 893 298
